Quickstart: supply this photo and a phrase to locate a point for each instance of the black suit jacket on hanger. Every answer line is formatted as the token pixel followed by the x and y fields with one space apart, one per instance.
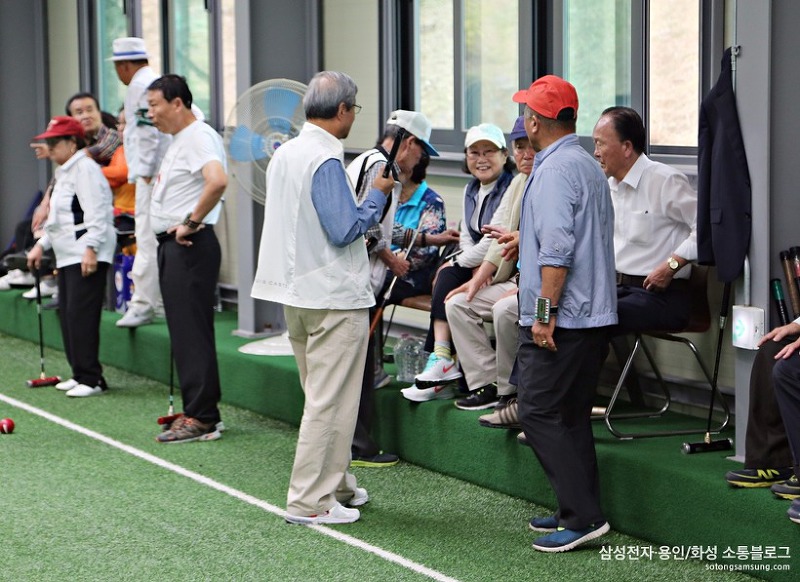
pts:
pixel 723 190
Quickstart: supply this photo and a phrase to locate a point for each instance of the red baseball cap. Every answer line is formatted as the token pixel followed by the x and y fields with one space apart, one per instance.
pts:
pixel 62 126
pixel 549 96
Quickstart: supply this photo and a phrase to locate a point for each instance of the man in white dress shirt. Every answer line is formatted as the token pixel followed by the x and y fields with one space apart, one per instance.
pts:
pixel 655 226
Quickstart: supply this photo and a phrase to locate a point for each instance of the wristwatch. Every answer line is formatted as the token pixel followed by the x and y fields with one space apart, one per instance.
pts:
pixel 673 264
pixel 191 223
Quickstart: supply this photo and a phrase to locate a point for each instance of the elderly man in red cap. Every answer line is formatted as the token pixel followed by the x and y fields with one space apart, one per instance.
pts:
pixel 567 302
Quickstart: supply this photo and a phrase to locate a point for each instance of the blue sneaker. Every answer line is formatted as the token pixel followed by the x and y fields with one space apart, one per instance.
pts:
pixel 563 540
pixel 544 524
pixel 794 511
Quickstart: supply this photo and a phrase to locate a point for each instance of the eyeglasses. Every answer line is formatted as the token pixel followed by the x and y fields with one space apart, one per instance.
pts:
pixel 356 107
pixel 476 155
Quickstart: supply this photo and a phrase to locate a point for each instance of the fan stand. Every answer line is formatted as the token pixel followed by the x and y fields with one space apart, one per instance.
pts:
pixel 277 345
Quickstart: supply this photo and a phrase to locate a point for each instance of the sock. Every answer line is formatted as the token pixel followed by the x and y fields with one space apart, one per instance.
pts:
pixel 442 349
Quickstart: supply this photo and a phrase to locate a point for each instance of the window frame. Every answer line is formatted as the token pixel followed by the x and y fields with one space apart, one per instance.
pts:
pixel 90 63
pixel 711 43
pixel 399 21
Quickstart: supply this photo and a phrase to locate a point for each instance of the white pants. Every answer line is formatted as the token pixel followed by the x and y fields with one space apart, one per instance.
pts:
pixel 481 363
pixel 146 294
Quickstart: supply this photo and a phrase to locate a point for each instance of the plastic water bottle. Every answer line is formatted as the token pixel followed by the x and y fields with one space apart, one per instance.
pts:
pixel 401 357
pixel 412 356
pixel 422 360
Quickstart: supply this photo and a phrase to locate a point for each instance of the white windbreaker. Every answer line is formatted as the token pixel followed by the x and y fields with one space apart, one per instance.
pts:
pixel 71 227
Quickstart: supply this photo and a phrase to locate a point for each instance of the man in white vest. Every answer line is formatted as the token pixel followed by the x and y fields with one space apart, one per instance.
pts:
pixel 313 260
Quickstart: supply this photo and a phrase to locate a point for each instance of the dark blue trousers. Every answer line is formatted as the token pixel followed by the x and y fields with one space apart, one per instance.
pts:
pixel 555 395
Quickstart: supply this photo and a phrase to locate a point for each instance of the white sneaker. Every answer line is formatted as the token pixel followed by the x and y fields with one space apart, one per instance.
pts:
pixel 359 498
pixel 336 514
pixel 47 287
pixel 133 318
pixel 82 391
pixel 437 371
pixel 415 394
pixel 4 284
pixel 17 278
pixel 67 384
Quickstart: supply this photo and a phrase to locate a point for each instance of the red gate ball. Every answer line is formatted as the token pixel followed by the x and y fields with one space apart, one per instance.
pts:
pixel 6 426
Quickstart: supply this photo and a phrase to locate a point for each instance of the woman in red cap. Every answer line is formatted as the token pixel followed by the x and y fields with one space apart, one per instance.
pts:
pixel 80 230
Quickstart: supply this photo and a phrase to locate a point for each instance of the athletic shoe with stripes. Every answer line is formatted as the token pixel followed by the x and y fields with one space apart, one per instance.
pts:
pixel 789 489
pixel 757 477
pixel 506 417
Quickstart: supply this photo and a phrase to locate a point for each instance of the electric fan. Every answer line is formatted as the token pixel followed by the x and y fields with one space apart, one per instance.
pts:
pixel 265 116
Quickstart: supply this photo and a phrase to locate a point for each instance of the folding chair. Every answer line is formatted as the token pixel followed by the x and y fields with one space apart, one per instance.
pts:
pixel 699 322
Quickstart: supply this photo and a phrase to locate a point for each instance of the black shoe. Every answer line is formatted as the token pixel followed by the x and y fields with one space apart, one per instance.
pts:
pixel 480 399
pixel 757 477
pixel 380 460
pixel 789 489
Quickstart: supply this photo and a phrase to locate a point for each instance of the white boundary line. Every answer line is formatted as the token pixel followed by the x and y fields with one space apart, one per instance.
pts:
pixel 240 495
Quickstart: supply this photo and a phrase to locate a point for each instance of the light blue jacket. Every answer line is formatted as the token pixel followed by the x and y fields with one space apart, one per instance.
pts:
pixel 568 221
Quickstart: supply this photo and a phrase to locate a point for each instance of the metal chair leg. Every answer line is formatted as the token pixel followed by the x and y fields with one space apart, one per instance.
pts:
pixel 609 416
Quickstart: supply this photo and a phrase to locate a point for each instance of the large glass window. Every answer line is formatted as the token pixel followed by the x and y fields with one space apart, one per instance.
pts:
pixel 467 63
pixel 597 56
pixel 491 63
pixel 151 32
pixel 673 72
pixel 644 54
pixel 228 57
pixel 189 48
pixel 435 71
pixel 111 23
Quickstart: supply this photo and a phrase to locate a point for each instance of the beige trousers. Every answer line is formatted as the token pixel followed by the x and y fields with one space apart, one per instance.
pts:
pixel 481 363
pixel 330 348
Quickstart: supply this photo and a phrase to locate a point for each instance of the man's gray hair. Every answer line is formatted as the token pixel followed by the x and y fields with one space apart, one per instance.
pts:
pixel 325 91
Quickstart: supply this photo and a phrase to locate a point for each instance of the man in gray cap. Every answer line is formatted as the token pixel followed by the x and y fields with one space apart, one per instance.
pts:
pixel 414 130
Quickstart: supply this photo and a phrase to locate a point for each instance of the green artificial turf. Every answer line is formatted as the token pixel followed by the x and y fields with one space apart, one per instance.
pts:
pixel 77 509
